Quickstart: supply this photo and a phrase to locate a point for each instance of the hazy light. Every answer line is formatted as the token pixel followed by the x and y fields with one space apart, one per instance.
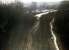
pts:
pixel 27 1
pixel 7 1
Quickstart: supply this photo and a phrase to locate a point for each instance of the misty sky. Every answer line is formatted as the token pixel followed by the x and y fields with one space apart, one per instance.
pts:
pixel 28 1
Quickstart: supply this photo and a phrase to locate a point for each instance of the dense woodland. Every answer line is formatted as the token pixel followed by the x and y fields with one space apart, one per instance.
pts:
pixel 16 28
